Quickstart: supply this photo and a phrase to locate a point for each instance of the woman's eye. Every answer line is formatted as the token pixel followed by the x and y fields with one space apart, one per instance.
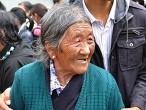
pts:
pixel 77 40
pixel 91 39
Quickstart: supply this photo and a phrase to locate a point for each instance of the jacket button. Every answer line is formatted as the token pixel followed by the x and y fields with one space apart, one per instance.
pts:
pixel 131 44
pixel 113 57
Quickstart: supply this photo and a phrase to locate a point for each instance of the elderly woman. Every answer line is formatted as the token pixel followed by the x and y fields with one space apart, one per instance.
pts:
pixel 64 79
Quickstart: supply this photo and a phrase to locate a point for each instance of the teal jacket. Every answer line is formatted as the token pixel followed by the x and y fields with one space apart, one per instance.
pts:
pixel 30 90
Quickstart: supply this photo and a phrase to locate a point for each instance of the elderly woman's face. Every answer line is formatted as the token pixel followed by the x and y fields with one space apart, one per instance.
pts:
pixel 76 49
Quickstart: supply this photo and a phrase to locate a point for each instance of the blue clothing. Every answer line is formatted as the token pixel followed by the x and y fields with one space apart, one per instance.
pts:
pixel 26 35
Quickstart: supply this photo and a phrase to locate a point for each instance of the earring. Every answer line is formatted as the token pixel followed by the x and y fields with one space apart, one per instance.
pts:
pixel 53 57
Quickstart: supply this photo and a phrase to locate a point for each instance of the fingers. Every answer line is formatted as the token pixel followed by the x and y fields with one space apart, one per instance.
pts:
pixel 3 105
pixel 5 100
pixel 133 108
pixel 7 96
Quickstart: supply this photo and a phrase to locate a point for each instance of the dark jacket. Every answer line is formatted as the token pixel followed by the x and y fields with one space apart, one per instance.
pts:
pixel 22 55
pixel 128 52
pixel 128 56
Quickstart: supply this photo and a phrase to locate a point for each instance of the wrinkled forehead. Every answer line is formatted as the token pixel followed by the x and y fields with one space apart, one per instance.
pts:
pixel 78 29
pixel 81 25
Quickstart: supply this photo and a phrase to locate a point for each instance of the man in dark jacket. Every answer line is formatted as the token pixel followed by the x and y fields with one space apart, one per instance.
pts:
pixel 13 52
pixel 119 27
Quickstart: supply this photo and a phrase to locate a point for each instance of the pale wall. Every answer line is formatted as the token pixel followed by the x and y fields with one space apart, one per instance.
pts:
pixel 13 3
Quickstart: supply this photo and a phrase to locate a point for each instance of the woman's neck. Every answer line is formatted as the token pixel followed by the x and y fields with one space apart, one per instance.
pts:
pixel 64 78
pixel 100 9
pixel 62 75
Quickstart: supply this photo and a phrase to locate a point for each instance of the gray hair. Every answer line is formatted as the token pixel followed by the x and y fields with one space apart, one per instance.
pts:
pixel 56 21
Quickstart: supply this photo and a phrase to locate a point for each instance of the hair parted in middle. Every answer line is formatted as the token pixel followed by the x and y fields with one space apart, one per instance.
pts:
pixel 58 20
pixel 55 22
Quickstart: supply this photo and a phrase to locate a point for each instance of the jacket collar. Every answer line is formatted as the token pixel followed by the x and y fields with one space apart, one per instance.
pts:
pixel 122 7
pixel 92 18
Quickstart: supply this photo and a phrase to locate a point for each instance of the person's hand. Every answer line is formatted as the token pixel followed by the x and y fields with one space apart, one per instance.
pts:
pixel 132 108
pixel 5 100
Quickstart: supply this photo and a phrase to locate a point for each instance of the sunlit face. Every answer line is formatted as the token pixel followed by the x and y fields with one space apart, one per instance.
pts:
pixel 75 49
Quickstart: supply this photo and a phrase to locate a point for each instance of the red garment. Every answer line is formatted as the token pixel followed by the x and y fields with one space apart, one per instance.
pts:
pixel 37 31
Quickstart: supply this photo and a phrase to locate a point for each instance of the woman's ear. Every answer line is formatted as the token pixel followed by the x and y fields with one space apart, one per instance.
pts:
pixel 50 50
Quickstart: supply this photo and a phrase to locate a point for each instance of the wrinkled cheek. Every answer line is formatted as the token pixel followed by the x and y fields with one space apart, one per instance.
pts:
pixel 79 69
pixel 75 67
pixel 92 49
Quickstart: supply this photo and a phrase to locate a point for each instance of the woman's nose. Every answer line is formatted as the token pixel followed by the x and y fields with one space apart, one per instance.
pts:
pixel 85 49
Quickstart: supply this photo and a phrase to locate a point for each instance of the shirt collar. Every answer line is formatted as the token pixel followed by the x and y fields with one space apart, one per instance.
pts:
pixel 113 11
pixel 54 82
pixel 92 18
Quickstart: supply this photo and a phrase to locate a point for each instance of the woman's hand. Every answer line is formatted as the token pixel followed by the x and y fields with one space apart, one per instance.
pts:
pixel 5 100
pixel 132 108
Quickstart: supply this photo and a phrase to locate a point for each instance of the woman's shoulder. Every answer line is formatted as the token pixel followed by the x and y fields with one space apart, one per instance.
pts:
pixel 31 69
pixel 97 70
pixel 100 74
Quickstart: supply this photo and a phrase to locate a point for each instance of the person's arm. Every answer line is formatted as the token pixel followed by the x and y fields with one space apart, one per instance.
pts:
pixel 16 97
pixel 138 97
pixel 5 100
pixel 132 108
pixel 115 99
pixel 11 66
pixel 9 72
pixel 138 93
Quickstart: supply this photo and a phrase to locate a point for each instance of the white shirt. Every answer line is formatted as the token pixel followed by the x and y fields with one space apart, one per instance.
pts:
pixel 103 34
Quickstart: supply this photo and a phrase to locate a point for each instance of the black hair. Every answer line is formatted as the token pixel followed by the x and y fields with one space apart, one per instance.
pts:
pixel 19 13
pixel 71 1
pixel 39 9
pixel 2 7
pixel 21 16
pixel 57 1
pixel 27 5
pixel 9 25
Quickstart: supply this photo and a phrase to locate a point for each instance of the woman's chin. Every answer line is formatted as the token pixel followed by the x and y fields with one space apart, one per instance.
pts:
pixel 81 70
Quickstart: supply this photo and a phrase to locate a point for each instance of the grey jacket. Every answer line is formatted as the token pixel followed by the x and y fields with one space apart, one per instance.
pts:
pixel 128 52
pixel 128 56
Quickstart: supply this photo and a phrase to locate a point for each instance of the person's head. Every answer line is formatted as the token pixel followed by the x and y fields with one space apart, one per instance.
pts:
pixel 56 1
pixel 8 28
pixel 2 7
pixel 19 14
pixel 26 6
pixel 68 38
pixel 59 1
pixel 38 11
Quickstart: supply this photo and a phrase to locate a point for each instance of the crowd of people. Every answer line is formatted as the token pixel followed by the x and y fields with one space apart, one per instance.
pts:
pixel 16 30
pixel 77 55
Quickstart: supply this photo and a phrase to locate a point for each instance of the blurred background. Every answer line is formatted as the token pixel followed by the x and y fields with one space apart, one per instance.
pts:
pixel 13 3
